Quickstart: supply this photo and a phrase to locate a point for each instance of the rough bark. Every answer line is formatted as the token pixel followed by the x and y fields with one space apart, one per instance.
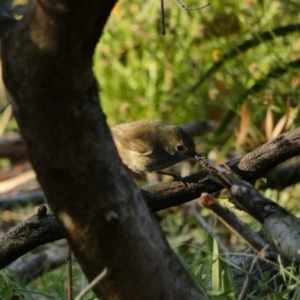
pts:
pixel 257 242
pixel 29 234
pixel 47 68
pixel 279 224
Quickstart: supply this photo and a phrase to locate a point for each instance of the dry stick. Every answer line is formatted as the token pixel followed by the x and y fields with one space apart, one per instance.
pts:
pixel 191 9
pixel 5 119
pixel 91 285
pixel 35 231
pixel 245 197
pixel 163 23
pixel 70 275
pixel 8 185
pixel 278 222
pixel 253 239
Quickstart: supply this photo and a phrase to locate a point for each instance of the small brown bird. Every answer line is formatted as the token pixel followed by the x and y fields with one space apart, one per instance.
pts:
pixel 151 146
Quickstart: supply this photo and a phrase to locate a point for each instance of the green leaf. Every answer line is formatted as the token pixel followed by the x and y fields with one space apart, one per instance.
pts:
pixel 6 292
pixel 2 282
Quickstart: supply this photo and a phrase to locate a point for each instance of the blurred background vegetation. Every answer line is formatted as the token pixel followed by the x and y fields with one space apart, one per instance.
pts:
pixel 235 62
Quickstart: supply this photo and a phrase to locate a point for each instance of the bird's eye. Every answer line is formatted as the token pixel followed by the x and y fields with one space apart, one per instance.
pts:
pixel 180 148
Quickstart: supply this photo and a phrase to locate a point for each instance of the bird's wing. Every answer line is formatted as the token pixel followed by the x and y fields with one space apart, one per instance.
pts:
pixel 134 140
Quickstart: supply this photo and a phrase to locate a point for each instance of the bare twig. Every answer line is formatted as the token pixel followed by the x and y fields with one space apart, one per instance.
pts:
pixel 5 119
pixel 91 285
pixel 278 222
pixel 163 23
pixel 8 185
pixel 253 239
pixel 191 9
pixel 70 275
pixel 26 236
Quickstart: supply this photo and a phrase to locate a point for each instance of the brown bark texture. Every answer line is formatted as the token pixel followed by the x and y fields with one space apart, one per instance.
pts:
pixel 29 234
pixel 47 68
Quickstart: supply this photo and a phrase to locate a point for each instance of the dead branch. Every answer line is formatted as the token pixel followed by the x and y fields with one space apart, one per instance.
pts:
pixel 35 231
pixel 35 197
pixel 172 193
pixel 199 127
pixel 253 239
pixel 280 225
pixel 253 165
pixel 283 176
pixel 33 267
pixel 6 186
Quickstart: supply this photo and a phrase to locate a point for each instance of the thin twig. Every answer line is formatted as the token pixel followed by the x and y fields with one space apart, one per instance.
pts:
pixel 227 217
pixel 163 23
pixel 191 9
pixel 70 275
pixel 91 285
pixel 5 118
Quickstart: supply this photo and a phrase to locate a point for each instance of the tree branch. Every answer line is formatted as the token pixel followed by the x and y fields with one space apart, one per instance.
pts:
pixel 47 68
pixel 250 167
pixel 27 235
pixel 33 267
pixel 279 224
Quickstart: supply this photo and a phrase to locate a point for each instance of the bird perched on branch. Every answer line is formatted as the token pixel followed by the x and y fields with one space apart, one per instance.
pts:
pixel 151 146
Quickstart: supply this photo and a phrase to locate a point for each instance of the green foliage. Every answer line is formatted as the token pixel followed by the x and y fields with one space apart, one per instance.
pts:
pixel 222 282
pixel 6 287
pixel 52 285
pixel 210 63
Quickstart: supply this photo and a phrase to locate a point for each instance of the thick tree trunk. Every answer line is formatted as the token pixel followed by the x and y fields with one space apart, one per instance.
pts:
pixel 47 68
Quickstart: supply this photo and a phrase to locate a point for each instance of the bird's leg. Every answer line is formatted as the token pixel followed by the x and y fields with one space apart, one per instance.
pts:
pixel 176 177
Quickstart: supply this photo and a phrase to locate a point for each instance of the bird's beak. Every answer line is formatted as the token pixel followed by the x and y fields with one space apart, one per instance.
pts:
pixel 197 155
pixel 201 159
